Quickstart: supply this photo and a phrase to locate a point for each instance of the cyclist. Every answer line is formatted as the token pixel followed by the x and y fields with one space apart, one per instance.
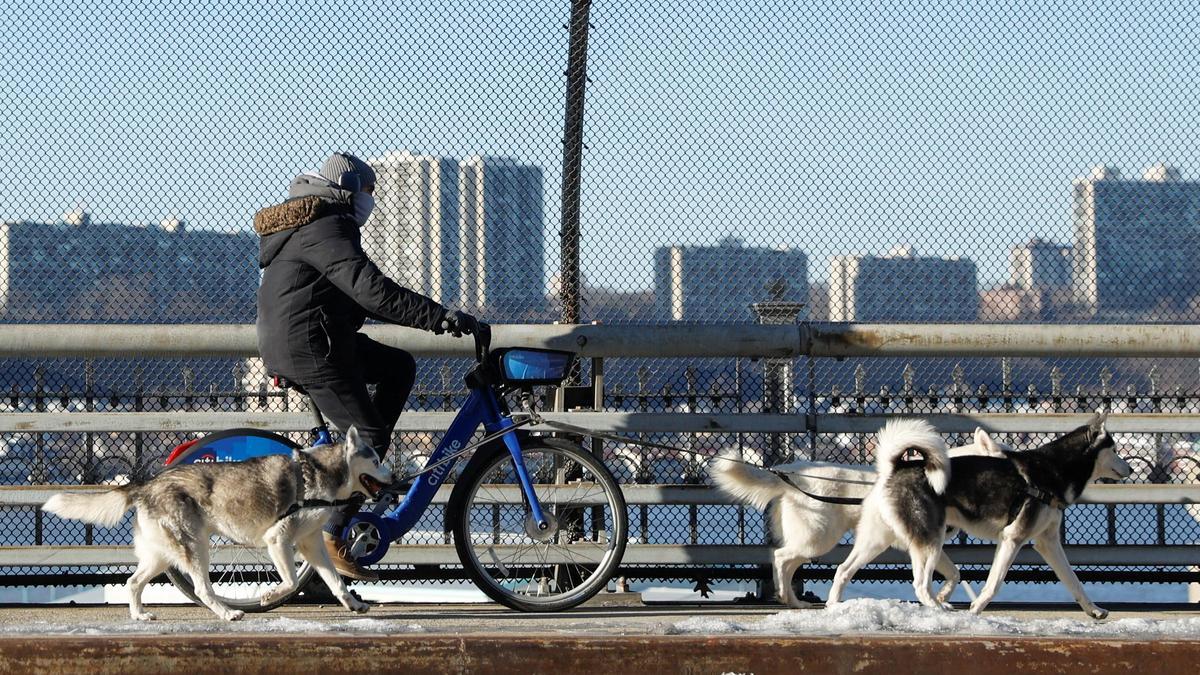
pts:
pixel 317 289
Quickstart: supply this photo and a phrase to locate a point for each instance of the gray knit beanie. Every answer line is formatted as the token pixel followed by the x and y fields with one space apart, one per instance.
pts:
pixel 348 171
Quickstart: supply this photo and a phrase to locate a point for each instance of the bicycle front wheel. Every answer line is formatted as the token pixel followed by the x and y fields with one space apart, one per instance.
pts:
pixel 527 568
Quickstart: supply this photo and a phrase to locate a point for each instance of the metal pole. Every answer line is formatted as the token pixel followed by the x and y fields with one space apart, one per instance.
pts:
pixel 778 394
pixel 778 375
pixel 573 160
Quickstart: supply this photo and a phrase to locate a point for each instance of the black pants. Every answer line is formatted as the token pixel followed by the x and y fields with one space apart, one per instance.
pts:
pixel 341 391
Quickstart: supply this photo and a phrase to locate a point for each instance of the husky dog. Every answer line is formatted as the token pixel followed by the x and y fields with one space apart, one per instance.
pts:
pixel 251 502
pixel 803 528
pixel 1010 500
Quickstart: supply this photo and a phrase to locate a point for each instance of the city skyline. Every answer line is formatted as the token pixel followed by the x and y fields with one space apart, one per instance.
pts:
pixel 955 132
pixel 420 191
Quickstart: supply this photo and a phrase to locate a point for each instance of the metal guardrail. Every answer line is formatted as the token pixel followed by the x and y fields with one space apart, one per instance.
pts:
pixel 598 341
pixel 666 340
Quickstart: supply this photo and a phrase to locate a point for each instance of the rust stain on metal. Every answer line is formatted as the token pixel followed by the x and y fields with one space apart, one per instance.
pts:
pixel 892 655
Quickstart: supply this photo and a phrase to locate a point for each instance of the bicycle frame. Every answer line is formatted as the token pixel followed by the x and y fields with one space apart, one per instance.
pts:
pixel 483 407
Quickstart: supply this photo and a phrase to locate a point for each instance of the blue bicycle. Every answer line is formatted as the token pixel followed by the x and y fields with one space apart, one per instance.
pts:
pixel 539 523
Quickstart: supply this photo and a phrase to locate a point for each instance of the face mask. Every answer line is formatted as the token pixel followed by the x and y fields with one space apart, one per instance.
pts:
pixel 364 204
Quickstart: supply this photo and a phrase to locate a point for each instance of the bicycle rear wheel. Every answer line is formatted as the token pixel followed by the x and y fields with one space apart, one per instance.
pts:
pixel 240 576
pixel 510 558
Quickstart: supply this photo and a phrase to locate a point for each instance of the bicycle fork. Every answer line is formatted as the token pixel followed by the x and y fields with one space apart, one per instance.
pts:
pixel 495 422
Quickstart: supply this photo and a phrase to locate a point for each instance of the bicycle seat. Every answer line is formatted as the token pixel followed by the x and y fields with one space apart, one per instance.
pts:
pixel 281 382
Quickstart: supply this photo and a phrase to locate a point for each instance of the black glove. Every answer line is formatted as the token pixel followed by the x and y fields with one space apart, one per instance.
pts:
pixel 458 324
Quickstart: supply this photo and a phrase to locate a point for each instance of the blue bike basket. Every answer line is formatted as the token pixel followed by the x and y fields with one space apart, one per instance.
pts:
pixel 527 367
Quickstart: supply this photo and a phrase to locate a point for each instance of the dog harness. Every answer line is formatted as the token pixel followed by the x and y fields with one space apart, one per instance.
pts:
pixel 1044 496
pixel 309 503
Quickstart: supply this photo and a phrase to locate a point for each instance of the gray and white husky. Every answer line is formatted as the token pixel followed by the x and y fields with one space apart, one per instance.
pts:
pixel 803 528
pixel 243 501
pixel 1011 499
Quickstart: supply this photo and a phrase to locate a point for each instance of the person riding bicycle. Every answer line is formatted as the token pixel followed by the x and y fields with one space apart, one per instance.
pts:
pixel 318 287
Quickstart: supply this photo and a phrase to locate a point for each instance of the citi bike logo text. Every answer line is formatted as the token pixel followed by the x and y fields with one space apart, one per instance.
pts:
pixel 436 476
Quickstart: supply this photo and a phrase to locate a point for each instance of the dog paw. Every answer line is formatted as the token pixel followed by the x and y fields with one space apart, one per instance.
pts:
pixel 945 605
pixel 144 616
pixel 272 596
pixel 233 615
pixel 1098 613
pixel 357 606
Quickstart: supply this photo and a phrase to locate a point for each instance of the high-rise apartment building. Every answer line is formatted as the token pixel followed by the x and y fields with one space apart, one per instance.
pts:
pixel 501 242
pixel 902 287
pixel 717 284
pixel 1136 242
pixel 413 234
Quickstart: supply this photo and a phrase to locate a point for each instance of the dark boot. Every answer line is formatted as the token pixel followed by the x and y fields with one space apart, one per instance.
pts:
pixel 339 552
pixel 339 548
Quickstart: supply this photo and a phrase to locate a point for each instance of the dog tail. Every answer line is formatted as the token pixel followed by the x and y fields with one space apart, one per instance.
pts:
pixel 101 508
pixel 745 483
pixel 900 437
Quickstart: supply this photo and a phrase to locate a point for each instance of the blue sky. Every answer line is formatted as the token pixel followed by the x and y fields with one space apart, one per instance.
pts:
pixel 830 127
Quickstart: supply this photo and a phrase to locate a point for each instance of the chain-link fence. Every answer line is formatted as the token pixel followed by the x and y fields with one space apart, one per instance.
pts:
pixel 622 162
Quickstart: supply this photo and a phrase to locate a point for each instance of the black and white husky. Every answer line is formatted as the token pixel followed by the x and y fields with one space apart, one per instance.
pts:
pixel 1011 499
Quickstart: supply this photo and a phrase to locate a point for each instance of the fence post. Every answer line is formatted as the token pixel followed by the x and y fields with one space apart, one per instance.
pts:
pixel 573 160
pixel 778 396
pixel 778 375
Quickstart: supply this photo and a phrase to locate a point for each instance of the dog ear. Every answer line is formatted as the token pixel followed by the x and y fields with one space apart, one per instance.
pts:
pixel 353 440
pixel 984 440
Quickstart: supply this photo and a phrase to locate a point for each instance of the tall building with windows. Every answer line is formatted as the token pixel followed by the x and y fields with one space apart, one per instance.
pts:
pixel 902 287
pixel 1136 242
pixel 501 242
pixel 413 234
pixel 78 270
pixel 717 284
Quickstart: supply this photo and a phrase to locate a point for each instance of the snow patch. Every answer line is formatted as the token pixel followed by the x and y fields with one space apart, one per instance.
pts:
pixel 865 615
pixel 280 625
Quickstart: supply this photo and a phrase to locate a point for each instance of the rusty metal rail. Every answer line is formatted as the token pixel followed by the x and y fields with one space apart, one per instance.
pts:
pixel 657 554
pixel 611 422
pixel 665 340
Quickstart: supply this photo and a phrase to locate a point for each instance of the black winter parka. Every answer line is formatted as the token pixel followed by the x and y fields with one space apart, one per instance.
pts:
pixel 318 285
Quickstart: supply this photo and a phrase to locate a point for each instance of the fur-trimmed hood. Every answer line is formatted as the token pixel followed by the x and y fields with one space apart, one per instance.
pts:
pixel 310 198
pixel 294 213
